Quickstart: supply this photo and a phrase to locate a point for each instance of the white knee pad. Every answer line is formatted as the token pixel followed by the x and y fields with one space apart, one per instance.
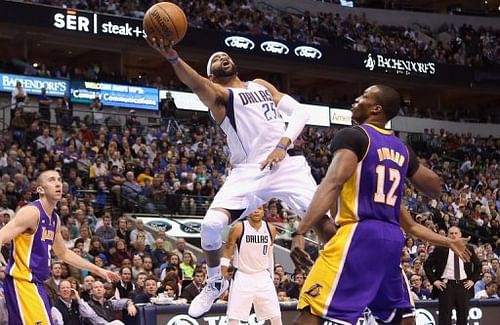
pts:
pixel 211 229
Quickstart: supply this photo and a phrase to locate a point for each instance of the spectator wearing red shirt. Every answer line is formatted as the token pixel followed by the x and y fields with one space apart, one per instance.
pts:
pixel 273 215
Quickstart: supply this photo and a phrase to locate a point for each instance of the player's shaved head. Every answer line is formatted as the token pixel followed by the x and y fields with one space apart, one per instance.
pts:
pixel 389 99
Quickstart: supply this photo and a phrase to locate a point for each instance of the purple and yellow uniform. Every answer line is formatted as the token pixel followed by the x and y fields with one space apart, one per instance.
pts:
pixel 360 266
pixel 28 268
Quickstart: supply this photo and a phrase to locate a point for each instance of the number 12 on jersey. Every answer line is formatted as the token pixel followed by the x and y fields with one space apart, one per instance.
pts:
pixel 394 177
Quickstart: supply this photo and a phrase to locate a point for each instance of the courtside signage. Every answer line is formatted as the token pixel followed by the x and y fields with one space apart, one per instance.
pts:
pixel 115 95
pixel 34 85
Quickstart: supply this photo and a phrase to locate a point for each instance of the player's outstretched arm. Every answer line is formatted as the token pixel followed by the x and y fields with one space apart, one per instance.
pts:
pixel 426 181
pixel 342 167
pixel 23 221
pixel 419 231
pixel 71 258
pixel 235 233
pixel 211 94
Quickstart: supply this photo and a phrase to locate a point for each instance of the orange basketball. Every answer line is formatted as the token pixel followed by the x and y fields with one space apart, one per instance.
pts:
pixel 167 21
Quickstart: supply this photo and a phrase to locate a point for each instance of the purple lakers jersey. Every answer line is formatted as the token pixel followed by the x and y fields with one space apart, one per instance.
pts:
pixel 374 190
pixel 30 253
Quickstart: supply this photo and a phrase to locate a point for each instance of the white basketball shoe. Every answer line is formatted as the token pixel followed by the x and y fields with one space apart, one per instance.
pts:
pixel 204 300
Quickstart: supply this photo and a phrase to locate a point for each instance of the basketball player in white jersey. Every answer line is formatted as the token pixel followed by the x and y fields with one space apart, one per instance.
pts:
pixel 250 114
pixel 250 243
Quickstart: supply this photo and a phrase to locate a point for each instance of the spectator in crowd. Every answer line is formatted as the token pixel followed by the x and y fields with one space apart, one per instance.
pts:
pixel 122 231
pixel 19 97
pixel 139 224
pixel 44 103
pixel 106 232
pixel 480 285
pixel 137 265
pixel 69 308
pixel 416 286
pixel 121 252
pixel 159 254
pixel 180 249
pixel 283 295
pixel 298 281
pixel 45 141
pixel 125 286
pixel 148 265
pixel 273 215
pixel 52 284
pixel 139 284
pixel 105 308
pixel 86 288
pixel 187 267
pixel 150 291
pixel 195 287
pixel 490 292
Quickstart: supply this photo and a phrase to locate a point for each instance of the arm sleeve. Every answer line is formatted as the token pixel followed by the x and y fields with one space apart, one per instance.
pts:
pixel 353 139
pixel 89 314
pixel 120 303
pixel 56 316
pixel 298 116
pixel 412 163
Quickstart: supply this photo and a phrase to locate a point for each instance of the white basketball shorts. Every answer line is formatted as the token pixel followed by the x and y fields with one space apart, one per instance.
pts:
pixel 257 289
pixel 248 187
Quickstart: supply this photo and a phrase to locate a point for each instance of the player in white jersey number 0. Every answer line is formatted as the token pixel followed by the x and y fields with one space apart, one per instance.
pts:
pixel 250 114
pixel 250 244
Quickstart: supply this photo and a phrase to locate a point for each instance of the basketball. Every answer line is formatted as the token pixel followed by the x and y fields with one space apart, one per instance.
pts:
pixel 166 21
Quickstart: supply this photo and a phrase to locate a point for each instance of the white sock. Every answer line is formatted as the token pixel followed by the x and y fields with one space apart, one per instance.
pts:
pixel 213 271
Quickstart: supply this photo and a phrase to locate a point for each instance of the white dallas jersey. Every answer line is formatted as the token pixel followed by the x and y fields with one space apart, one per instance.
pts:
pixel 253 125
pixel 254 250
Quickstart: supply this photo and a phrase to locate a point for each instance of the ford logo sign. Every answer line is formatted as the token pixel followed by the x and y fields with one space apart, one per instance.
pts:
pixel 274 47
pixel 239 42
pixel 308 52
pixel 191 227
pixel 160 225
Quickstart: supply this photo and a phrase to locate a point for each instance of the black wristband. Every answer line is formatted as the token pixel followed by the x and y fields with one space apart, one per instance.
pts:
pixel 296 233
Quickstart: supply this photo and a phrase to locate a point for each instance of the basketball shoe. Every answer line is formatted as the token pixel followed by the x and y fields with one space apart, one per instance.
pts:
pixel 204 300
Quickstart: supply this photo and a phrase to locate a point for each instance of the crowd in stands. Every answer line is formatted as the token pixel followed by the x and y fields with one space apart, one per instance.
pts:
pixel 109 170
pixel 459 45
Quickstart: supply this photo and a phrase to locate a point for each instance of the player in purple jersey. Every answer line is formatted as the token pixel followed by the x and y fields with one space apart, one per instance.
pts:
pixel 34 233
pixel 359 266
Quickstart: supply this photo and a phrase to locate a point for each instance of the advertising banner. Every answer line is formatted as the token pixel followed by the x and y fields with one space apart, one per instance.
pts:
pixel 115 95
pixel 92 24
pixel 426 314
pixel 34 85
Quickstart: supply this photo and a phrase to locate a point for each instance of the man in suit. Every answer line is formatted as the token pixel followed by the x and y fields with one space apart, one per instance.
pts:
pixel 194 288
pixel 452 279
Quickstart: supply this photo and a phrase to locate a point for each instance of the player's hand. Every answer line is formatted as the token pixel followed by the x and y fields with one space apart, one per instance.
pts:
pixel 440 285
pixel 468 284
pixel 108 275
pixel 277 155
pixel 163 47
pixel 459 247
pixel 298 254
